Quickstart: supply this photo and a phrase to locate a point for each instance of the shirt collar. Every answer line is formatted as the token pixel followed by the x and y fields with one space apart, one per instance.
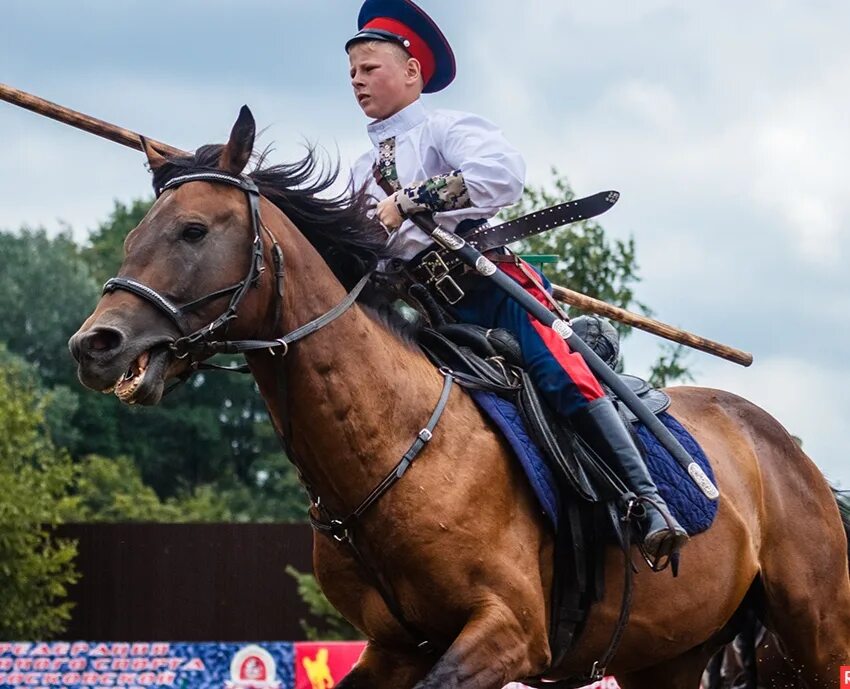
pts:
pixel 403 121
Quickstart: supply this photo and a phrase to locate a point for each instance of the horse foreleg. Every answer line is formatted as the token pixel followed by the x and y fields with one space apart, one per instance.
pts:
pixel 378 668
pixel 494 648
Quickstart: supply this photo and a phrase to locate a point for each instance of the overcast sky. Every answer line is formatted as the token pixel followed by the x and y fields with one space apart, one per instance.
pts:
pixel 724 125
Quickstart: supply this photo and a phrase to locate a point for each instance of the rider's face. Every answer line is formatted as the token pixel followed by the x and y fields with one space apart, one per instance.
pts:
pixel 383 77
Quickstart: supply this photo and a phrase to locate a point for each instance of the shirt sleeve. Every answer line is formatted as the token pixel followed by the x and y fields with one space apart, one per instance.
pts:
pixel 494 171
pixel 487 171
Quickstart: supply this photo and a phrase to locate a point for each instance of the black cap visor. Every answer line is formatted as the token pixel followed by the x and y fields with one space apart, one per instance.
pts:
pixel 377 35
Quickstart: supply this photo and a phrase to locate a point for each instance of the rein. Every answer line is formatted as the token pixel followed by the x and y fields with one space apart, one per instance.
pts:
pixel 201 342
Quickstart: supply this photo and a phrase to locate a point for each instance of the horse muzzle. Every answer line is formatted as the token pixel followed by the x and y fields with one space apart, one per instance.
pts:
pixel 135 370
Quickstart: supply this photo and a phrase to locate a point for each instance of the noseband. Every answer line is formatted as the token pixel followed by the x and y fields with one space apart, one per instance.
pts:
pixel 201 343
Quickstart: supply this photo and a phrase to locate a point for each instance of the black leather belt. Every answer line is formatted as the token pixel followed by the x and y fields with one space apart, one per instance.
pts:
pixel 437 268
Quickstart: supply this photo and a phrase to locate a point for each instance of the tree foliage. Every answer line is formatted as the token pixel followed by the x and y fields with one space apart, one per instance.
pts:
pixel 210 443
pixel 106 244
pixel 35 567
pixel 331 625
pixel 46 292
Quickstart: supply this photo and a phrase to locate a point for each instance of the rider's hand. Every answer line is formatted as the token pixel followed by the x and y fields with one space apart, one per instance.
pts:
pixel 388 214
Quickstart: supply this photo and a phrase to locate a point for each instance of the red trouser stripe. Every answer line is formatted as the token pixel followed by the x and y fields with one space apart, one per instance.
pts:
pixel 573 363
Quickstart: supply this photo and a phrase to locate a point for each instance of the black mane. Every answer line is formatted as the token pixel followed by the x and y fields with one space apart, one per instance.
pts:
pixel 338 227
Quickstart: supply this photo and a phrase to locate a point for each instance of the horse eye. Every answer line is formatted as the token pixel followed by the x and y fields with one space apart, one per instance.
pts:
pixel 194 233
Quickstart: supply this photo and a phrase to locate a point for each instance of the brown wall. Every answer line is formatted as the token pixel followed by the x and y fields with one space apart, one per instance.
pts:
pixel 188 582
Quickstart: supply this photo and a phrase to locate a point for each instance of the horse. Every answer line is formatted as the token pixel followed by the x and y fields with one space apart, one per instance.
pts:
pixel 451 576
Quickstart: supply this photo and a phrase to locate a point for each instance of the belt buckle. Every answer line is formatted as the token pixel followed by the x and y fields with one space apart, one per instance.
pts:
pixel 449 289
pixel 434 265
pixel 439 277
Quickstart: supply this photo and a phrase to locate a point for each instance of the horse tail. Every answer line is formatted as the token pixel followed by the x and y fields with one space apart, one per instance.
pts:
pixel 842 497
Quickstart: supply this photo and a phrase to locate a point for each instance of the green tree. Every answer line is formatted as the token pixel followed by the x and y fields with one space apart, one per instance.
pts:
pixel 112 490
pixel 35 567
pixel 209 442
pixel 331 625
pixel 670 366
pixel 105 251
pixel 46 291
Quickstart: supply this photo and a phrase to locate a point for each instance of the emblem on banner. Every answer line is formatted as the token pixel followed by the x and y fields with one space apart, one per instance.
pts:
pixel 253 668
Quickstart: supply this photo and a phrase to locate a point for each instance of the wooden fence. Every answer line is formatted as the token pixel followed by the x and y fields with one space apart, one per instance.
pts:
pixel 188 582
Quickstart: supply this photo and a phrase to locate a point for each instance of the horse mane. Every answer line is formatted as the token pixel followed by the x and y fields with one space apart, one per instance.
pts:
pixel 339 227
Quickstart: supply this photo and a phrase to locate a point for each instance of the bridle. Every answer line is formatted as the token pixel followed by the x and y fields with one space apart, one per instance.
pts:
pixel 201 343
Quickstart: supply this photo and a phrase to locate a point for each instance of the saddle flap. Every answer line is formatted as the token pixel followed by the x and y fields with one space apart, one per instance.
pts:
pixel 656 400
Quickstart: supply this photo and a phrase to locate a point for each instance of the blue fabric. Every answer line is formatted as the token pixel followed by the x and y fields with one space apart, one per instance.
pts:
pixel 691 508
pixel 694 511
pixel 80 664
pixel 492 308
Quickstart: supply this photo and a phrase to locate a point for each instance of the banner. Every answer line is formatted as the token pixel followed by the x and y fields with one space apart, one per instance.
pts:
pixel 93 665
pixel 121 665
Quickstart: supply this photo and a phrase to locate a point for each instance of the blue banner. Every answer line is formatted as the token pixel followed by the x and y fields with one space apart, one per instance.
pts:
pixel 94 665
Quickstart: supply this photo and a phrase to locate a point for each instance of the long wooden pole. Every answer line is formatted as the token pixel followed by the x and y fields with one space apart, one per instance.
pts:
pixel 650 325
pixel 81 121
pixel 577 299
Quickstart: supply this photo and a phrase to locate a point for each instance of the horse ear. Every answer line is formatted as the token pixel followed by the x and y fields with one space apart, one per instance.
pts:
pixel 238 149
pixel 155 159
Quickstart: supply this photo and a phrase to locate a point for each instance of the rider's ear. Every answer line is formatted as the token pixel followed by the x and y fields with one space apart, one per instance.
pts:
pixel 155 159
pixel 237 151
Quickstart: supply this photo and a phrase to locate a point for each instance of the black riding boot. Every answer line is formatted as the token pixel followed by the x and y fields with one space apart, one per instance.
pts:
pixel 603 429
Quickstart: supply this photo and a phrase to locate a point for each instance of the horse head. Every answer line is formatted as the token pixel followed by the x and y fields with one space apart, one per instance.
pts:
pixel 194 250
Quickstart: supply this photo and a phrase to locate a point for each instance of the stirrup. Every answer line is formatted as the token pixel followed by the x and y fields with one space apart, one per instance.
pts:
pixel 667 552
pixel 666 556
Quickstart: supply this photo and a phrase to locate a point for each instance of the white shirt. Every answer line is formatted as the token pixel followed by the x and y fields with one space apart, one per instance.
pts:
pixel 430 143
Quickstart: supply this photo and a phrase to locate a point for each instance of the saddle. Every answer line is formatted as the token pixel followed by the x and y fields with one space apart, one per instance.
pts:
pixel 491 360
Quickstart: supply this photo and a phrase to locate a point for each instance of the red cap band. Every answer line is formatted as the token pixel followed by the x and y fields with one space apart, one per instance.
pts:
pixel 417 48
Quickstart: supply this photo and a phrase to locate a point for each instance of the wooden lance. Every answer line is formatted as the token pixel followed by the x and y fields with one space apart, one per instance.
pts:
pixel 576 299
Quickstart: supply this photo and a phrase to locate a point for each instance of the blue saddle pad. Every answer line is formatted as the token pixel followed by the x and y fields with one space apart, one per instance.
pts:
pixel 694 511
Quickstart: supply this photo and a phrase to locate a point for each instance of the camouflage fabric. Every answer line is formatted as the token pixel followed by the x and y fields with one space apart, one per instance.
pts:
pixel 386 162
pixel 441 193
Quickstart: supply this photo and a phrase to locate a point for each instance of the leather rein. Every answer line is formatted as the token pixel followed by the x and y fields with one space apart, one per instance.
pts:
pixel 200 343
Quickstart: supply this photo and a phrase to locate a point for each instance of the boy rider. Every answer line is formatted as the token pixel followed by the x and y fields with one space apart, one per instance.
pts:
pixel 460 167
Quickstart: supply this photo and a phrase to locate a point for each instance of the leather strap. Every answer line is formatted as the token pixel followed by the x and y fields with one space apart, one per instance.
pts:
pixel 487 237
pixel 238 346
pixel 340 528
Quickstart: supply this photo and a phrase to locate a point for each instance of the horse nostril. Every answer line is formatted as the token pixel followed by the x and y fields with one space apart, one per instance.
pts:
pixel 96 342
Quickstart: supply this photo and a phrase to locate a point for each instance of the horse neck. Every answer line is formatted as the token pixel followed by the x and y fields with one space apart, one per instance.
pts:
pixel 355 396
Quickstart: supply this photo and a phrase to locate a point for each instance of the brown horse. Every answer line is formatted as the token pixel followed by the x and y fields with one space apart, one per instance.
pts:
pixel 459 542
